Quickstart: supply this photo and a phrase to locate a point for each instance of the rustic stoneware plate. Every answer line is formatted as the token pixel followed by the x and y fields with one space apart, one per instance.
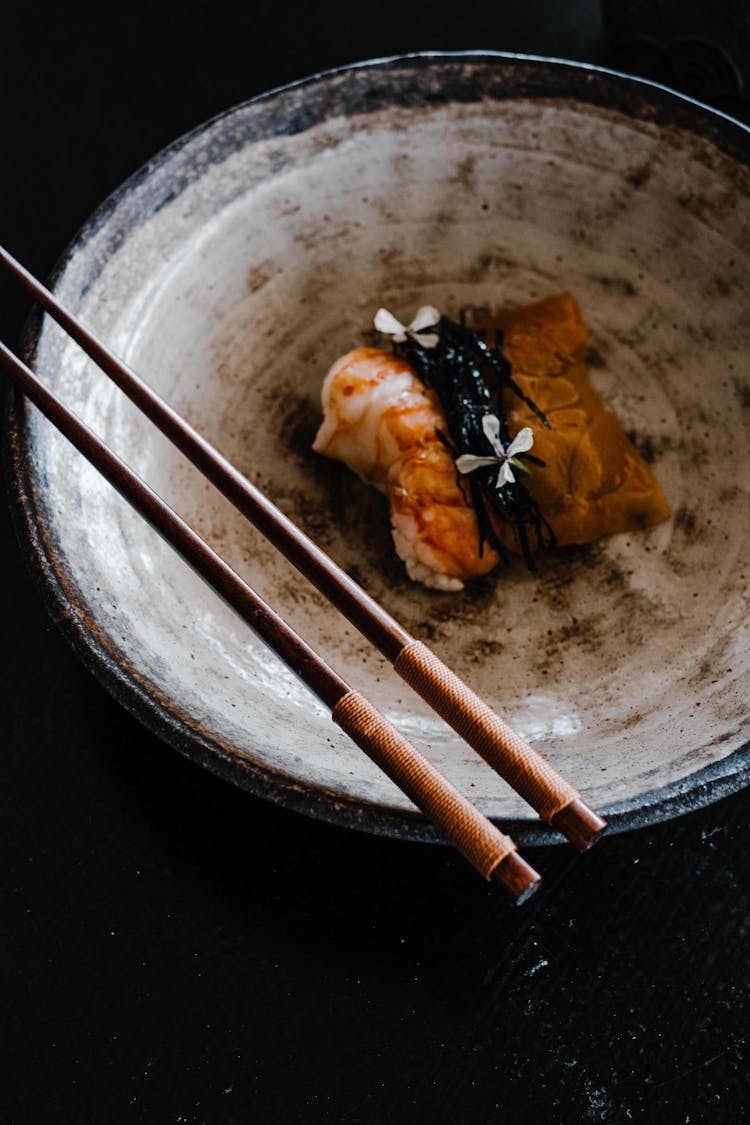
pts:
pixel 231 272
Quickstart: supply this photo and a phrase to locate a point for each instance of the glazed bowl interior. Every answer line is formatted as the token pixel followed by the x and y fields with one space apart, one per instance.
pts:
pixel 244 260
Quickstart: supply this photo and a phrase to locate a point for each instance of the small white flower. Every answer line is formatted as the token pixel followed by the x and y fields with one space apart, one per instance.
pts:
pixel 521 443
pixel 426 317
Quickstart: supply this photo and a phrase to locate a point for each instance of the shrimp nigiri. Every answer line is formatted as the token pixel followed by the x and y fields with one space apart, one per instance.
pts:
pixel 382 422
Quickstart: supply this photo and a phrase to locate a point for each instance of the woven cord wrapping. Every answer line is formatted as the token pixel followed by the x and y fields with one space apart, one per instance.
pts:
pixel 472 833
pixel 508 754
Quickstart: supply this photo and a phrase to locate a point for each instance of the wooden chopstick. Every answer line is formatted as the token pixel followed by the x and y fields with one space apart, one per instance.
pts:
pixel 491 852
pixel 555 800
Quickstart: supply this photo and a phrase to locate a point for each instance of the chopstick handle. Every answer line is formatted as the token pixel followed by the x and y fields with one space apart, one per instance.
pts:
pixel 492 853
pixel 556 801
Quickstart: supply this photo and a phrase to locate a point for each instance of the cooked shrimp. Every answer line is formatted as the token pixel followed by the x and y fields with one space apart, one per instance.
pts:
pixel 381 421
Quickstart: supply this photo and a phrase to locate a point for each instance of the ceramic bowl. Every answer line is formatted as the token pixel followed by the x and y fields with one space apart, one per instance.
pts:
pixel 232 271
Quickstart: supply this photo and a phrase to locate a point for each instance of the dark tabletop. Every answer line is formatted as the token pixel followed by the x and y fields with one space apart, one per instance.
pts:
pixel 174 950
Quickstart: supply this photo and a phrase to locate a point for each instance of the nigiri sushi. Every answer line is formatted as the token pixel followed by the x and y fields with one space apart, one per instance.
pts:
pixel 389 427
pixel 594 483
pixel 382 422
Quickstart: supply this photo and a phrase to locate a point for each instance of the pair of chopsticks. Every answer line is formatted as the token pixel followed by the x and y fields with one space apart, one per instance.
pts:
pixel 489 850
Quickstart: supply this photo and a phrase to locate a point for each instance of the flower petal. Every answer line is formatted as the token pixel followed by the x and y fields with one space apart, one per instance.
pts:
pixel 505 476
pixel 386 322
pixel 467 462
pixel 491 427
pixel 426 339
pixel 426 317
pixel 522 442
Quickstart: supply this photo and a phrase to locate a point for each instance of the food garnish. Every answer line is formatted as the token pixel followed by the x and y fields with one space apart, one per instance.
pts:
pixel 469 377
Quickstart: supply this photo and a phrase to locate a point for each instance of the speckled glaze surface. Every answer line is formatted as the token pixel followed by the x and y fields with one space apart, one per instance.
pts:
pixel 242 261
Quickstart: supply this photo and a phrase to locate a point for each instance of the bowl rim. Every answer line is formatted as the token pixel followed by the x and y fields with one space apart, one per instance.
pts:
pixel 583 82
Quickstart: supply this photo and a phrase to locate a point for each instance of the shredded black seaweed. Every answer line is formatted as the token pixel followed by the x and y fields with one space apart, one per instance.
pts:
pixel 469 377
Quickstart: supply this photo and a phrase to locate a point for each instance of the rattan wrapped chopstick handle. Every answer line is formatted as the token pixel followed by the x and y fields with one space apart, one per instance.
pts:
pixel 500 746
pixel 484 845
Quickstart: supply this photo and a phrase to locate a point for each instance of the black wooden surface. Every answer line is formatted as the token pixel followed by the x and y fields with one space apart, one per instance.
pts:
pixel 174 950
